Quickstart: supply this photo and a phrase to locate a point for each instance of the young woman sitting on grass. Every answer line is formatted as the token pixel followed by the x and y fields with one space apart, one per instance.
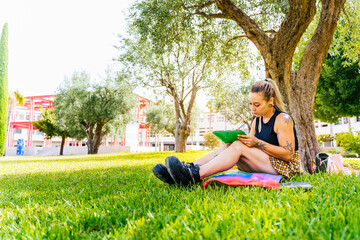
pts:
pixel 270 147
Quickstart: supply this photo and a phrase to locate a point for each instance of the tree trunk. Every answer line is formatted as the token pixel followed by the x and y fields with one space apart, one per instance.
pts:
pixel 62 144
pixel 94 138
pixel 183 117
pixel 298 89
pixel 181 135
pixel 301 111
pixel 303 84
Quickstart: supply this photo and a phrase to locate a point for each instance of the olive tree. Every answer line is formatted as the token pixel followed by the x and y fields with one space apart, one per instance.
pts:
pixel 174 54
pixel 275 28
pixel 97 109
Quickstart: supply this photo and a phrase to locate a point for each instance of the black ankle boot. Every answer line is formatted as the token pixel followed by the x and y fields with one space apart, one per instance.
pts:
pixel 183 174
pixel 160 171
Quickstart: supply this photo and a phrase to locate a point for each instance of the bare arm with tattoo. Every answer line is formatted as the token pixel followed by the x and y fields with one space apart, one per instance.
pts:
pixel 285 134
pixel 284 127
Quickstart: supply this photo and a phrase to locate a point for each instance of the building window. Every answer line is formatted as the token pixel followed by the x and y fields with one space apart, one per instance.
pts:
pixel 27 116
pixel 201 133
pixel 37 132
pixel 358 119
pixel 169 147
pixel 38 116
pixel 345 120
pixel 339 122
pixel 324 125
pixel 17 131
pixel 210 118
pixel 201 120
pixel 20 116
pixel 220 119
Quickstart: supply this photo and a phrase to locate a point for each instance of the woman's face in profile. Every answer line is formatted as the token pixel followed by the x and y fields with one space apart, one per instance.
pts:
pixel 258 105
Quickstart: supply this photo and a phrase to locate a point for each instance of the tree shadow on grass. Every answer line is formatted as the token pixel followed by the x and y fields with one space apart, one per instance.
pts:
pixel 88 158
pixel 95 200
pixel 118 200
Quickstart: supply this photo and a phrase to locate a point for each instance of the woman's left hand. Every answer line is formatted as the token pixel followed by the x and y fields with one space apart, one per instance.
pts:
pixel 248 140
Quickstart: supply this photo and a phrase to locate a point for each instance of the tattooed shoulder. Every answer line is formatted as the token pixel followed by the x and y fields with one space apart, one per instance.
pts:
pixel 286 118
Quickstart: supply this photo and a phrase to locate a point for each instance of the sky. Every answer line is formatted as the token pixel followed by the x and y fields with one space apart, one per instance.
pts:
pixel 50 39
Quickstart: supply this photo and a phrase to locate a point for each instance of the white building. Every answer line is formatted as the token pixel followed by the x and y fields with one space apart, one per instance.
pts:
pixel 138 134
pixel 345 124
pixel 207 121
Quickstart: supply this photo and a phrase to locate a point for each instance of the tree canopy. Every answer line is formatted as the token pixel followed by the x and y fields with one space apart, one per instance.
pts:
pixel 48 124
pixel 339 83
pixel 275 28
pixel 51 128
pixel 176 53
pixel 161 118
pixel 338 90
pixel 233 103
pixel 94 109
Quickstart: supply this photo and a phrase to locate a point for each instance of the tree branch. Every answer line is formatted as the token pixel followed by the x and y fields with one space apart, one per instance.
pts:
pixel 347 16
pixel 251 29
pixel 294 25
pixel 242 36
pixel 183 108
pixel 318 47
pixel 191 104
pixel 201 6
pixel 212 15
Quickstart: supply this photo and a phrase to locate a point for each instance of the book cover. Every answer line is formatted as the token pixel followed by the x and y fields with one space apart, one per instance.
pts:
pixel 228 136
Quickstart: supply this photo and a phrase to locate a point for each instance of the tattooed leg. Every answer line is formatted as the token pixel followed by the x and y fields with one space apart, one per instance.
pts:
pixel 254 158
pixel 205 159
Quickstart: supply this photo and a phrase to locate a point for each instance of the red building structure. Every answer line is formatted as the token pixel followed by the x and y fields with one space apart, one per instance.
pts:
pixel 143 103
pixel 32 103
pixel 35 104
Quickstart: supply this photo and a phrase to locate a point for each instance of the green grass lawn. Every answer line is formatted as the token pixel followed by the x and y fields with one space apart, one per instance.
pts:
pixel 355 164
pixel 116 196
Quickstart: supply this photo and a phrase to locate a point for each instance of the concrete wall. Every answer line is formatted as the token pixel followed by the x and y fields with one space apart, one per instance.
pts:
pixel 48 151
pixel 135 149
pixel 42 151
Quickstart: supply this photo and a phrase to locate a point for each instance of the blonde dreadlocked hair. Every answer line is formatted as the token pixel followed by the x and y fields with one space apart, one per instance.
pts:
pixel 269 88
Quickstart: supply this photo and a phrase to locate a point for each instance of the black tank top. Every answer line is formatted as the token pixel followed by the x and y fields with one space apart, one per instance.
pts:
pixel 267 133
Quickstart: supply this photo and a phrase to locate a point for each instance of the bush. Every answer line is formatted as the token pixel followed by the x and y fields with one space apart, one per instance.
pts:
pixel 339 138
pixel 210 140
pixel 348 155
pixel 333 151
pixel 351 143
pixel 353 163
pixel 325 138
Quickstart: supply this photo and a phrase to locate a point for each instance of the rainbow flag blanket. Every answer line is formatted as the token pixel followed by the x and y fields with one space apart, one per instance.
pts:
pixel 238 178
